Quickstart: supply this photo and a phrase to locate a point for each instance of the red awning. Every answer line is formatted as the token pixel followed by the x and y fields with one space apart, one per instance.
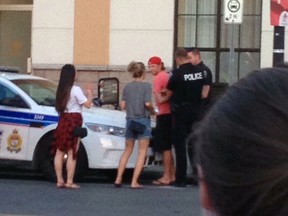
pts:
pixel 279 12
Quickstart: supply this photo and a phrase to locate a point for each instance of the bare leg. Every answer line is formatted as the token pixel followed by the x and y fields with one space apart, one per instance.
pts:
pixel 142 151
pixel 58 165
pixel 167 163
pixel 129 145
pixel 172 168
pixel 168 169
pixel 70 166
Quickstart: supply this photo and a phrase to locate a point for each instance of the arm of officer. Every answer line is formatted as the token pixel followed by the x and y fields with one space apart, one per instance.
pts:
pixel 207 83
pixel 205 91
pixel 122 105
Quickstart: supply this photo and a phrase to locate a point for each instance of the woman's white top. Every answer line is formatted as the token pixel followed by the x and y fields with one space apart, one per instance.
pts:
pixel 77 98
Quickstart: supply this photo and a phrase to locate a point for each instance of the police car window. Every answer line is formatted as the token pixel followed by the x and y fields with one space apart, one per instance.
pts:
pixel 43 92
pixel 10 98
pixel 5 93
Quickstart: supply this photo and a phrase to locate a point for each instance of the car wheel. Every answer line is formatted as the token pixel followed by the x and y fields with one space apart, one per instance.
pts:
pixel 81 164
pixel 45 158
pixel 46 161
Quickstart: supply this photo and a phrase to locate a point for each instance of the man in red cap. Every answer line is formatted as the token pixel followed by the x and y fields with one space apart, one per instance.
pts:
pixel 163 140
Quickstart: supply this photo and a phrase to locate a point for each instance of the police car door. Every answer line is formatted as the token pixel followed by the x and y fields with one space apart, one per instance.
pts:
pixel 14 124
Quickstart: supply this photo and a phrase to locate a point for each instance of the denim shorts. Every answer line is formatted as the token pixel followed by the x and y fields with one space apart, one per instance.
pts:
pixel 130 134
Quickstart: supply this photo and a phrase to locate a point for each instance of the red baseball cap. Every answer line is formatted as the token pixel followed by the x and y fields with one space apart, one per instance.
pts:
pixel 155 60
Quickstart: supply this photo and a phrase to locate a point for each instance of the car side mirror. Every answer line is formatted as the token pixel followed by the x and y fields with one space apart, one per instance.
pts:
pixel 97 102
pixel 108 91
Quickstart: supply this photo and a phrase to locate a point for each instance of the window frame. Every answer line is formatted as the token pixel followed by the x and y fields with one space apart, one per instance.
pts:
pixel 217 49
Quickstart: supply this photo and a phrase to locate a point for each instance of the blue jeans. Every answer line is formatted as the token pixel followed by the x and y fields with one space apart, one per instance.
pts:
pixel 130 134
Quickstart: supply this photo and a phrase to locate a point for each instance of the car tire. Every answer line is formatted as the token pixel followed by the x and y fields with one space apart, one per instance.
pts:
pixel 46 160
pixel 81 164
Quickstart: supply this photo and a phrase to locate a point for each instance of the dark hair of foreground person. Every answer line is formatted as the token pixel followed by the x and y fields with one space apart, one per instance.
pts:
pixel 242 148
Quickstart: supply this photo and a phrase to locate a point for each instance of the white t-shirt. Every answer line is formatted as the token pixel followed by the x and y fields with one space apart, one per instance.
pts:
pixel 77 98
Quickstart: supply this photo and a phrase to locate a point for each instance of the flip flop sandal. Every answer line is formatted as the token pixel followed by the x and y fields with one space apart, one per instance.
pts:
pixel 72 186
pixel 159 183
pixel 137 187
pixel 60 185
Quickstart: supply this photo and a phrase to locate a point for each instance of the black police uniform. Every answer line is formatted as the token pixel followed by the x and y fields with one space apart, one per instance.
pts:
pixel 207 74
pixel 186 83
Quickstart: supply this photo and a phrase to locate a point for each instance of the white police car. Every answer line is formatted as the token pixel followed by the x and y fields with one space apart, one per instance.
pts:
pixel 28 118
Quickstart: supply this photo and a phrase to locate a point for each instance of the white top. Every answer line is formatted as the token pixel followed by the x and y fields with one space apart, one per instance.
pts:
pixel 77 98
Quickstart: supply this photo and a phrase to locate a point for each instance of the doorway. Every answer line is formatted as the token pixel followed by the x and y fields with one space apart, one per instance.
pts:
pixel 15 35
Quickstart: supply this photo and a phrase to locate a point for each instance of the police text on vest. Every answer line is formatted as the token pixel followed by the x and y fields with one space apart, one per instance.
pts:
pixel 195 76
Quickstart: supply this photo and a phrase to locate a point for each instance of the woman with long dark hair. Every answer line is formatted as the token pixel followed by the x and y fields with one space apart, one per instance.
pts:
pixel 69 102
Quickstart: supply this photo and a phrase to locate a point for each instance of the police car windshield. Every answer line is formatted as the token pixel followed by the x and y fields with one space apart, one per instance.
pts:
pixel 43 92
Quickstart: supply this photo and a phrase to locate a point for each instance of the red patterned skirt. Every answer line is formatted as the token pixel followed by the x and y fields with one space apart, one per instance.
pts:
pixel 64 138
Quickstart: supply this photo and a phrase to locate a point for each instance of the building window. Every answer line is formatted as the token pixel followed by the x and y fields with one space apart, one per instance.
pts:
pixel 200 24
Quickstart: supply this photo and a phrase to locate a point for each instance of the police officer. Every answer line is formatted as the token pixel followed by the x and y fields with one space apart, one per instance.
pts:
pixel 194 56
pixel 185 89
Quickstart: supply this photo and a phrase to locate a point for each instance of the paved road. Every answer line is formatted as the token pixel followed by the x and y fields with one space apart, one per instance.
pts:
pixel 27 196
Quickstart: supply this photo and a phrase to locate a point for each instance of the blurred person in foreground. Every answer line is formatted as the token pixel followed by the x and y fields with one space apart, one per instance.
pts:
pixel 242 148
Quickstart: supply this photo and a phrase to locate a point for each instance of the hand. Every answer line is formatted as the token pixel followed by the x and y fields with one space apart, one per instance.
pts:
pixel 89 97
pixel 163 92
pixel 88 103
pixel 89 93
pixel 153 112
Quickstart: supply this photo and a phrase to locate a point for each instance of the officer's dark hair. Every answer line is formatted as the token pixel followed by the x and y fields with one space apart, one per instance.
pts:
pixel 66 81
pixel 181 53
pixel 242 147
pixel 194 50
pixel 136 68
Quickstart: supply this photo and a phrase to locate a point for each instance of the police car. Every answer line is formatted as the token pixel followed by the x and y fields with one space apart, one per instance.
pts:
pixel 28 119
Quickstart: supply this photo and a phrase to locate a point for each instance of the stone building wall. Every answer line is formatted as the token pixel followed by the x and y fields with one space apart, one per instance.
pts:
pixel 89 78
